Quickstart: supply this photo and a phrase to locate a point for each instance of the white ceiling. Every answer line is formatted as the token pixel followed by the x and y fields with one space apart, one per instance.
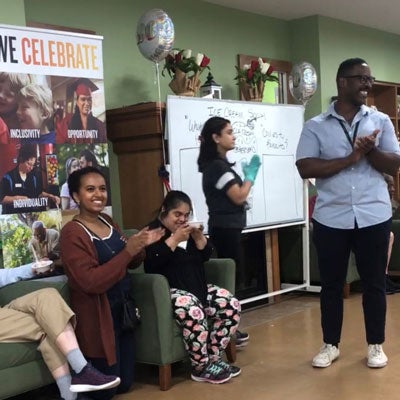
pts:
pixel 379 14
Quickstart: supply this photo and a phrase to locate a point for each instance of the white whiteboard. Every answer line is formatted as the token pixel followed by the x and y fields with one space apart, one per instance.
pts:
pixel 269 130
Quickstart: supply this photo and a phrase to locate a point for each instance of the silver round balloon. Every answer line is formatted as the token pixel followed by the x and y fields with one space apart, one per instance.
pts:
pixel 303 82
pixel 155 35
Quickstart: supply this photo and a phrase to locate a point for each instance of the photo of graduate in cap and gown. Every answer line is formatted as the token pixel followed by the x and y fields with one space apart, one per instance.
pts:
pixel 82 126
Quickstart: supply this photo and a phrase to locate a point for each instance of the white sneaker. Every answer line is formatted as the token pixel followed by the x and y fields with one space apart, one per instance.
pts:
pixel 376 357
pixel 327 354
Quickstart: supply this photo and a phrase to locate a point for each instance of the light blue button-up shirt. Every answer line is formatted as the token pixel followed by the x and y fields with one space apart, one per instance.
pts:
pixel 358 192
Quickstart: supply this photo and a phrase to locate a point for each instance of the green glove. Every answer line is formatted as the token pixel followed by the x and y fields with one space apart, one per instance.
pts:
pixel 250 170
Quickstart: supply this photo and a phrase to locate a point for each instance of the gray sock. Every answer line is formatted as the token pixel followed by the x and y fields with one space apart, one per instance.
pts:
pixel 76 360
pixel 63 383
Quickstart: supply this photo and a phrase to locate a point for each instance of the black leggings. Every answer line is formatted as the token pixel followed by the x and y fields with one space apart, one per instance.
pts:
pixel 227 245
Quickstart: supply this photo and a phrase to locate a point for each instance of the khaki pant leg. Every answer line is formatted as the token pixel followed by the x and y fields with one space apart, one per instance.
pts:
pixel 39 316
pixel 52 356
pixel 48 308
pixel 16 326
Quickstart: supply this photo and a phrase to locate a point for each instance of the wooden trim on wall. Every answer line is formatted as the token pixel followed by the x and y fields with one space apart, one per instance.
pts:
pixel 34 24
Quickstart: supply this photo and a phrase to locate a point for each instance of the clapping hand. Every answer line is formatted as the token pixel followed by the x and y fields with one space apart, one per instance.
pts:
pixel 366 143
pixel 250 169
pixel 143 238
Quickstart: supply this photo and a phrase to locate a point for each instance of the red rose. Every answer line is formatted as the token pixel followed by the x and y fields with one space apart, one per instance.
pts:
pixel 270 70
pixel 250 74
pixel 254 65
pixel 204 62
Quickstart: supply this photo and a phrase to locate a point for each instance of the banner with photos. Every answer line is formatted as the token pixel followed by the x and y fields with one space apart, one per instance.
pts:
pixel 52 122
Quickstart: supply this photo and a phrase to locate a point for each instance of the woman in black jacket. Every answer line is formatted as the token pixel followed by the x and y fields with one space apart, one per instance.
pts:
pixel 207 314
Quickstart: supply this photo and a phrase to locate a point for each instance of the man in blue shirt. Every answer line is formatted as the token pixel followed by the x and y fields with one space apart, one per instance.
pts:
pixel 347 149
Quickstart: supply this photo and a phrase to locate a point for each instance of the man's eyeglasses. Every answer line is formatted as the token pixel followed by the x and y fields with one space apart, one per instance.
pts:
pixel 364 79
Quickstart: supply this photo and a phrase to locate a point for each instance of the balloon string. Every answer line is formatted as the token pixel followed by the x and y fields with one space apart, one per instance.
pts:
pixel 160 114
pixel 158 81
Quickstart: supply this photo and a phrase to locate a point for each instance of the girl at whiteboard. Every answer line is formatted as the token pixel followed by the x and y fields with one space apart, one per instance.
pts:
pixel 225 192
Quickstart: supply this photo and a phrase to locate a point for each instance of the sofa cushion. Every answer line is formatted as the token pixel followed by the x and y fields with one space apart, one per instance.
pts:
pixel 18 289
pixel 14 354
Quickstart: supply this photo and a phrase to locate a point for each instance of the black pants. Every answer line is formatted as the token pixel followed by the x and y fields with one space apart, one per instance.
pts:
pixel 370 246
pixel 227 245
pixel 124 368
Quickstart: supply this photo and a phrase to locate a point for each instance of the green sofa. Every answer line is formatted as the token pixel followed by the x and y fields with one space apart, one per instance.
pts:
pixel 158 339
pixel 21 365
pixel 291 253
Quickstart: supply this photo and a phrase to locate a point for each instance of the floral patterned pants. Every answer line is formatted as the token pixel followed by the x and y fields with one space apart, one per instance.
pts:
pixel 206 329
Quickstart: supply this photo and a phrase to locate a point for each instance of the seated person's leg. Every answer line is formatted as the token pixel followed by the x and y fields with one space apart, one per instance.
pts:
pixel 224 312
pixel 34 320
pixel 191 317
pixel 224 315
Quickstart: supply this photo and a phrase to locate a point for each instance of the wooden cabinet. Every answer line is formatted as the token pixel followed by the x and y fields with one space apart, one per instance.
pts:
pixel 385 97
pixel 137 135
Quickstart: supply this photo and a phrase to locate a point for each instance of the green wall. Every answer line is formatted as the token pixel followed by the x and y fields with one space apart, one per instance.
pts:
pixel 205 28
pixel 12 12
pixel 130 78
pixel 340 40
pixel 305 47
pixel 220 33
pixel 326 42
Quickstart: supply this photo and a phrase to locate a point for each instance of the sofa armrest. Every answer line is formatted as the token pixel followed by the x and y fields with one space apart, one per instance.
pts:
pixel 221 272
pixel 18 289
pixel 152 296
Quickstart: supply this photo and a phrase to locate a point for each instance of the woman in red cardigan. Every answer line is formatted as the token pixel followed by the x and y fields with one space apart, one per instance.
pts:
pixel 96 256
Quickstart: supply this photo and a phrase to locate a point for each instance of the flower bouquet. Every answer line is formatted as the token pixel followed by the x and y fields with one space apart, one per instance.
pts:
pixel 252 77
pixel 185 70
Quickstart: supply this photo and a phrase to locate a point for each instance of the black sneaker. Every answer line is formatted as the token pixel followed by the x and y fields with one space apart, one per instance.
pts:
pixel 391 287
pixel 233 369
pixel 242 338
pixel 90 379
pixel 211 373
